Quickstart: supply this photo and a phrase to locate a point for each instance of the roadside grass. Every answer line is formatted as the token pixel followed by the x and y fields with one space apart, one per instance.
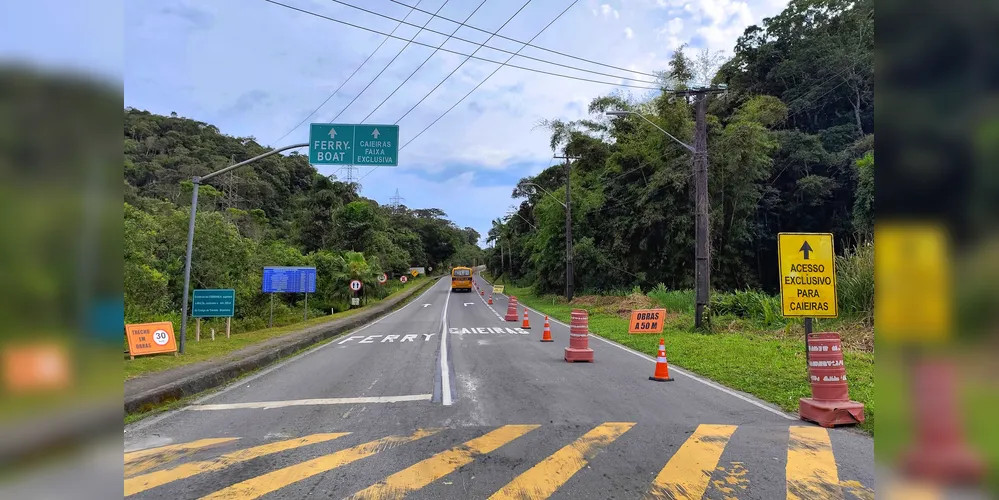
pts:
pixel 207 349
pixel 770 364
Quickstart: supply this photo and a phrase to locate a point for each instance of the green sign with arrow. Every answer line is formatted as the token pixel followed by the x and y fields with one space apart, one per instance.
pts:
pixel 354 144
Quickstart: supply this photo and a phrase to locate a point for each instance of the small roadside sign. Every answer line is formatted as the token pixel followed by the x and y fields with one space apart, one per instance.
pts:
pixel 213 303
pixel 415 273
pixel 383 278
pixel 356 285
pixel 807 274
pixel 498 288
pixel 403 278
pixel 150 338
pixel 355 301
pixel 647 321
pixel 911 268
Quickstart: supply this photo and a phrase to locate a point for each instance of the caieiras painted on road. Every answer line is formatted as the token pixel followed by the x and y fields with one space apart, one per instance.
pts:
pixel 487 331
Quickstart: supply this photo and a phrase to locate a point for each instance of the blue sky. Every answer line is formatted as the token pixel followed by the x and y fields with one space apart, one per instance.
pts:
pixel 257 69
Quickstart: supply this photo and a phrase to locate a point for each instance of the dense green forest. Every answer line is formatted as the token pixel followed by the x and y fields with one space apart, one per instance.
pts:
pixel 790 144
pixel 277 211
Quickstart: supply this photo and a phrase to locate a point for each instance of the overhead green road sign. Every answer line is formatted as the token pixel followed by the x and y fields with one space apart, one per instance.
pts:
pixel 360 145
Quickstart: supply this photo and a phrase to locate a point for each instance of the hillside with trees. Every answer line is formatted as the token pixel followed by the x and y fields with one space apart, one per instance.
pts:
pixel 790 144
pixel 276 211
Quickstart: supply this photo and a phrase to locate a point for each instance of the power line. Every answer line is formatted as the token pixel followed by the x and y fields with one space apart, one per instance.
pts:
pixel 488 77
pixel 421 65
pixel 358 68
pixel 480 83
pixel 560 75
pixel 460 24
pixel 534 46
pixel 404 47
pixel 449 75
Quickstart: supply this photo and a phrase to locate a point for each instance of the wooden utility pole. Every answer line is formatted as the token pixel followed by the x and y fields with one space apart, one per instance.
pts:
pixel 702 235
pixel 569 288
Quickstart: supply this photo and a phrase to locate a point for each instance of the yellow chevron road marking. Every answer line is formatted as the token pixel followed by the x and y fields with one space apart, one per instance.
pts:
pixel 688 472
pixel 551 473
pixel 144 482
pixel 273 481
pixel 142 460
pixel 811 466
pixel 427 471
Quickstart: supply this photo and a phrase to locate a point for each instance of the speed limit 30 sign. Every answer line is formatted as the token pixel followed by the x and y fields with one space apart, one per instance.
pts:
pixel 355 285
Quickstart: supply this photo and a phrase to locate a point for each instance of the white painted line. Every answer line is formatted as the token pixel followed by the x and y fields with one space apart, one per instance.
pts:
pixel 685 373
pixel 146 422
pixel 269 405
pixel 446 399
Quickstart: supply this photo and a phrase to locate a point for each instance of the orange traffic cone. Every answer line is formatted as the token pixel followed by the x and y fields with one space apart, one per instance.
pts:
pixel 490 298
pixel 527 324
pixel 662 366
pixel 482 293
pixel 546 336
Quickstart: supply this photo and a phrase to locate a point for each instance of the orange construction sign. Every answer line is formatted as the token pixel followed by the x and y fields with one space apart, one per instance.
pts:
pixel 150 338
pixel 647 321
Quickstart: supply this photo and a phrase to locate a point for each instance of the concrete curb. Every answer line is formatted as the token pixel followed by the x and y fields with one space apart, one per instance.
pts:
pixel 214 375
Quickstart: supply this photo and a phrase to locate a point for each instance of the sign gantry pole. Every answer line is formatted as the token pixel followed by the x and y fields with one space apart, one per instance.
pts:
pixel 196 180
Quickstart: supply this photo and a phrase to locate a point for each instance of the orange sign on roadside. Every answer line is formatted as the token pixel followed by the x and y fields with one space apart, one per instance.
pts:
pixel 647 321
pixel 150 338
pixel 36 367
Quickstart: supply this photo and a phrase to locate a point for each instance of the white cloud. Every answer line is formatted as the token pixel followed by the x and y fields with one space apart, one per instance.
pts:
pixel 629 33
pixel 608 11
pixel 616 16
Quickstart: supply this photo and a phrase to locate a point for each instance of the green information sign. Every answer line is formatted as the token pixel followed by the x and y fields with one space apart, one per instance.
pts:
pixel 360 145
pixel 214 303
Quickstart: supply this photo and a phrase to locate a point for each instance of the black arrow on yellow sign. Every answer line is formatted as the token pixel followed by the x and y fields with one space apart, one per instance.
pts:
pixel 805 248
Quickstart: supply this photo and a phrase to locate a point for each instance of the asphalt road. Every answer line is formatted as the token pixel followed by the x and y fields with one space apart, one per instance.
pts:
pixel 443 399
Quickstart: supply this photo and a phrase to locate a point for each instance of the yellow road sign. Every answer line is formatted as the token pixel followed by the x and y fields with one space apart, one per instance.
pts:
pixel 807 274
pixel 912 270
pixel 414 273
pixel 498 288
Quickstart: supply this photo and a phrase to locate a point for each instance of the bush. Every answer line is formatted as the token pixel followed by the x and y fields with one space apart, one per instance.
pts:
pixel 675 301
pixel 749 304
pixel 855 282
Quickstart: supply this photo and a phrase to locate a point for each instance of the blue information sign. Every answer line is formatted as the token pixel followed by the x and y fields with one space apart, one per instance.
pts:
pixel 281 279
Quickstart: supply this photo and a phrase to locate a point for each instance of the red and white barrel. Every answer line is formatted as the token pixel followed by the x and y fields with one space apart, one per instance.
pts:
pixel 579 338
pixel 826 370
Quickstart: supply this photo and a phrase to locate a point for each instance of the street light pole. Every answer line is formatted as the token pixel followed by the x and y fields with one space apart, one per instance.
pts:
pixel 190 231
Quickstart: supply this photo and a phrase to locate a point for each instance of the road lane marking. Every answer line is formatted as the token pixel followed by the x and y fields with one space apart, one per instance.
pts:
pixel 446 397
pixel 273 481
pixel 270 405
pixel 487 330
pixel 147 422
pixel 678 370
pixel 427 471
pixel 144 482
pixel 688 472
pixel 811 466
pixel 548 475
pixel 142 460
